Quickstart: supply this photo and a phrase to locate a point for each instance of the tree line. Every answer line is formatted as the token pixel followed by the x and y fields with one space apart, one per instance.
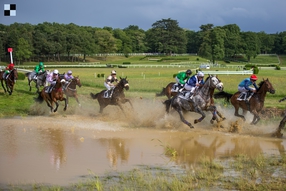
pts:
pixel 64 42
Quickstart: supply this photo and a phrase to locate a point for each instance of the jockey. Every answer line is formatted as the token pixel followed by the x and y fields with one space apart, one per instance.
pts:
pixel 8 69
pixel 108 83
pixel 181 79
pixel 52 80
pixel 195 82
pixel 68 77
pixel 39 68
pixel 244 86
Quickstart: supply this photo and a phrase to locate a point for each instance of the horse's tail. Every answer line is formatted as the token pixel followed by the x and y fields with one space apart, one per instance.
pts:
pixel 168 104
pixel 40 98
pixel 162 93
pixel 223 94
pixel 93 96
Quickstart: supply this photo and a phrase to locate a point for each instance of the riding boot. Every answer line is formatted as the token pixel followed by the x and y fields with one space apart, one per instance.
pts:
pixel 250 94
pixel 110 92
pixel 191 95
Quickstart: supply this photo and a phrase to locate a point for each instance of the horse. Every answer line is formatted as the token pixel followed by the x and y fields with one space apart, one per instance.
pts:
pixel 118 96
pixel 201 101
pixel 9 81
pixel 167 91
pixel 281 124
pixel 40 81
pixel 70 89
pixel 256 102
pixel 53 97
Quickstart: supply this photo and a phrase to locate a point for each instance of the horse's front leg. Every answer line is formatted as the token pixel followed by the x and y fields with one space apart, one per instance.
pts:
pixel 66 105
pixel 3 86
pixel 200 111
pixel 77 100
pixel 127 100
pixel 256 118
pixel 50 105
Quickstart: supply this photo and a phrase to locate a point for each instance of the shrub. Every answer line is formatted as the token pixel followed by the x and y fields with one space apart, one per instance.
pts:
pixel 198 59
pixel 98 75
pixel 277 67
pixel 102 75
pixel 125 63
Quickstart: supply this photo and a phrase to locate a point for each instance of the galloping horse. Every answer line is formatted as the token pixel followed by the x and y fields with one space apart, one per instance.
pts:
pixel 40 81
pixel 281 124
pixel 53 97
pixel 256 102
pixel 167 91
pixel 202 100
pixel 118 96
pixel 70 89
pixel 9 81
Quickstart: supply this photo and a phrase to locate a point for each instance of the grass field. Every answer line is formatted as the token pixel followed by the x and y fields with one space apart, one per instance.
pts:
pixel 144 82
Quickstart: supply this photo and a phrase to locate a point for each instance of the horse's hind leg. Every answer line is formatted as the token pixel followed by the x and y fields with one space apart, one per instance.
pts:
pixel 236 113
pixel 183 119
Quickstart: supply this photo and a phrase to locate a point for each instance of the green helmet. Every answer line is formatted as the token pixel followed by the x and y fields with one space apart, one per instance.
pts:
pixel 41 64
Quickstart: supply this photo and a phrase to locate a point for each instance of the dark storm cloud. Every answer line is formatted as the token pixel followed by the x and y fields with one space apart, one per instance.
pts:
pixel 249 15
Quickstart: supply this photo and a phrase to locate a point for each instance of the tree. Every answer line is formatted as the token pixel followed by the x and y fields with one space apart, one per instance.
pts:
pixel 232 41
pixel 250 44
pixel 105 41
pixel 266 42
pixel 213 44
pixel 23 50
pixel 167 37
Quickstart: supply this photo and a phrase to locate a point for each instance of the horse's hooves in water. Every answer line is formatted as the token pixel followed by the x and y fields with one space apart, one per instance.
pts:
pixel 196 121
pixel 191 126
pixel 277 134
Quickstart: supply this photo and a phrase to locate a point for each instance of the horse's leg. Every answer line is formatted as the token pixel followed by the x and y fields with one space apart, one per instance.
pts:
pixel 3 86
pixel 127 100
pixel 236 107
pixel 256 118
pixel 179 110
pixel 57 105
pixel 200 111
pixel 29 83
pixel 66 104
pixel 67 100
pixel 281 126
pixel 76 98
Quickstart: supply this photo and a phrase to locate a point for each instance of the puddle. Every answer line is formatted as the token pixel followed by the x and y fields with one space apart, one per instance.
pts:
pixel 62 150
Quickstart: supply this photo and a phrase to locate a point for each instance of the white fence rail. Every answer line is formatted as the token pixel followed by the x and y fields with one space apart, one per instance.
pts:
pixel 242 72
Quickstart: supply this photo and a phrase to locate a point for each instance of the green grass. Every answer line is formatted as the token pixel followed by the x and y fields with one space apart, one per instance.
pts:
pixel 144 82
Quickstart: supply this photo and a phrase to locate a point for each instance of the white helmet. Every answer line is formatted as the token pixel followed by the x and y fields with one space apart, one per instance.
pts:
pixel 56 72
pixel 200 74
pixel 113 72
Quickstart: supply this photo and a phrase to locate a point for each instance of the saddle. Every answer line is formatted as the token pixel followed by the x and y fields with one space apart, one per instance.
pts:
pixel 185 95
pixel 242 96
pixel 175 88
pixel 108 93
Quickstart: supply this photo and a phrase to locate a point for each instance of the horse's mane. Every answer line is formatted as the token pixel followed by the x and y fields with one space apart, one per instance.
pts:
pixel 260 85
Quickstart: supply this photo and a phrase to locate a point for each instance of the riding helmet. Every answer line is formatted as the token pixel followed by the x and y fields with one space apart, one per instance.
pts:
pixel 41 64
pixel 56 72
pixel 253 77
pixel 189 72
pixel 200 74
pixel 113 72
pixel 69 72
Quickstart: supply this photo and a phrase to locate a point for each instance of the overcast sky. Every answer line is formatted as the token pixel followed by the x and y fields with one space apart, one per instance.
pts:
pixel 250 15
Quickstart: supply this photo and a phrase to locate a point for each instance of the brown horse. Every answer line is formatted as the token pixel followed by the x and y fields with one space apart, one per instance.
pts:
pixel 167 91
pixel 70 89
pixel 9 81
pixel 256 103
pixel 281 124
pixel 118 96
pixel 53 97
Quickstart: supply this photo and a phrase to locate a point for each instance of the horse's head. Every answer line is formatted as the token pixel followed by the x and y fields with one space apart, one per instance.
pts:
pixel 215 82
pixel 77 81
pixel 124 83
pixel 266 85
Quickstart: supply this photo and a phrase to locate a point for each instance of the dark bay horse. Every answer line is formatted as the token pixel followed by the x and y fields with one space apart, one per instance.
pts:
pixel 256 102
pixel 70 89
pixel 40 81
pixel 53 97
pixel 9 81
pixel 202 101
pixel 118 96
pixel 167 91
pixel 281 124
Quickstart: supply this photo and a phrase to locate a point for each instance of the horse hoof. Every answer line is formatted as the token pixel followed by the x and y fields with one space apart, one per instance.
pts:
pixel 212 121
pixel 223 118
pixel 196 121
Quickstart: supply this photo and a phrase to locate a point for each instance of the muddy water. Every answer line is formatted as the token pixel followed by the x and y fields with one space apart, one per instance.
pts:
pixel 61 150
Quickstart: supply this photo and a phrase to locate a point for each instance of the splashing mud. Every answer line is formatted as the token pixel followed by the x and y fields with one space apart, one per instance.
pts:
pixel 64 148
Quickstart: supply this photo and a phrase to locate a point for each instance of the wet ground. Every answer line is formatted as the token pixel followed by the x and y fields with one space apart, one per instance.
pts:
pixel 61 149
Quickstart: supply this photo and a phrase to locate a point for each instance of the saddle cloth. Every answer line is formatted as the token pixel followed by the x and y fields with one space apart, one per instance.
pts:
pixel 242 96
pixel 175 88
